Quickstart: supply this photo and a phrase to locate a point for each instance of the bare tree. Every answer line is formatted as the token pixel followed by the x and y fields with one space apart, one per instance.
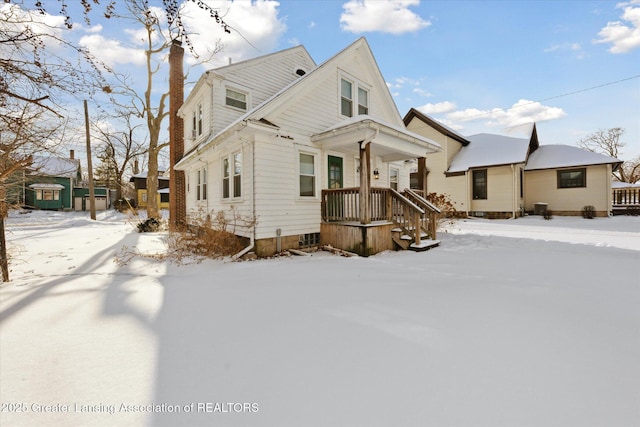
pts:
pixel 609 142
pixel 122 142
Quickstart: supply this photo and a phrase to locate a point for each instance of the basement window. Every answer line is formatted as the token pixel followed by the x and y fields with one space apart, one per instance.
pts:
pixel 309 240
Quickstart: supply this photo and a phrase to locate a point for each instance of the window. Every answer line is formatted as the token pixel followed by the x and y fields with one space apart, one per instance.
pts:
pixel 572 178
pixel 194 125
pixel 363 101
pixel 47 194
pixel 236 99
pixel 307 175
pixel 225 178
pixel 199 119
pixel 201 187
pixel 346 100
pixel 393 178
pixel 480 184
pixel 350 91
pixel 237 175
pixel 232 176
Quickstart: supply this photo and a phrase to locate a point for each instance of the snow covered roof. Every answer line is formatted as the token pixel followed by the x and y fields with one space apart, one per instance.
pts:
pixel 144 175
pixel 561 156
pixel 55 166
pixel 46 186
pixel 487 149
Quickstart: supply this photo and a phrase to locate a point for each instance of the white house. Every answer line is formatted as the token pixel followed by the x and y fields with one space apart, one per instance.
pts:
pixel 316 154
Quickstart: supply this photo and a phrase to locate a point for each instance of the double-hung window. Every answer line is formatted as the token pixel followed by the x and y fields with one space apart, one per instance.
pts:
pixel 201 187
pixel 307 175
pixel 236 99
pixel 232 176
pixel 200 119
pixel 354 98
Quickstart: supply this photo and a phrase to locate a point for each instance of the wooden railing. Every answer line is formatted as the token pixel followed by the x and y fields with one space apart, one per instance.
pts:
pixel 386 204
pixel 430 218
pixel 626 196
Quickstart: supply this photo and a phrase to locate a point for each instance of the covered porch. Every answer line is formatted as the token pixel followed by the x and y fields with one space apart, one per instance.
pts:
pixel 365 219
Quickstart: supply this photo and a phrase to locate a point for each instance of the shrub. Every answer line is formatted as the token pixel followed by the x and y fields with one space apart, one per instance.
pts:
pixel 447 208
pixel 547 215
pixel 149 225
pixel 588 212
pixel 210 236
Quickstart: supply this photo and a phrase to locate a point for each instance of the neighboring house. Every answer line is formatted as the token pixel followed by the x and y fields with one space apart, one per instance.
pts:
pixel 314 154
pixel 496 176
pixel 49 182
pixel 140 186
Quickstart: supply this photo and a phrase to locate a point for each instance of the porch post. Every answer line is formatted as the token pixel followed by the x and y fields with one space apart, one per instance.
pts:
pixel 422 175
pixel 365 183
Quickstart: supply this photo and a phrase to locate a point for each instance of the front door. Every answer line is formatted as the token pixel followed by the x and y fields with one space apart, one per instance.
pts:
pixel 335 172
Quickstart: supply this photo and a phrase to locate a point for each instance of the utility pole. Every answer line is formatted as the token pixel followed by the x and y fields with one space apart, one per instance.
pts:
pixel 92 197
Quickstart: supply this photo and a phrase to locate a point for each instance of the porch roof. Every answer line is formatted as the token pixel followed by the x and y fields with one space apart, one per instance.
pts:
pixel 46 186
pixel 388 141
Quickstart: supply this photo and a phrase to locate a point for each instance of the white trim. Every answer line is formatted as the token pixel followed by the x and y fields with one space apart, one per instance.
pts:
pixel 317 165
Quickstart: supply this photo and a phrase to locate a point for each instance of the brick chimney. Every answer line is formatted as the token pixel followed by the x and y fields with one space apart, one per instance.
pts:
pixel 177 187
pixel 72 154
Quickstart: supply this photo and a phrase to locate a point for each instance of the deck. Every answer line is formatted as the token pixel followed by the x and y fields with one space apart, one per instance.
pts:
pixel 388 220
pixel 626 201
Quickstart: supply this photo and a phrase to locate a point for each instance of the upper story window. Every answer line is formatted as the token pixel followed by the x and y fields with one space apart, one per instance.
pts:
pixel 354 98
pixel 196 122
pixel 236 99
pixel 346 98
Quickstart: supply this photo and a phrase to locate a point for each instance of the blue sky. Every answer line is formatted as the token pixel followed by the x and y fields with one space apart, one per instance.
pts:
pixel 573 67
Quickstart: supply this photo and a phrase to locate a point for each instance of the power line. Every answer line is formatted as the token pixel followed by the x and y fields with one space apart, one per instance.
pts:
pixel 486 113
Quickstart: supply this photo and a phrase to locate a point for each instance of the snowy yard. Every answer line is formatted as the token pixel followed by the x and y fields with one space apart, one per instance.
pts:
pixel 507 323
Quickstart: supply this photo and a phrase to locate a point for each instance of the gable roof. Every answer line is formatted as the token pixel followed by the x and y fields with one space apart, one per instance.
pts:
pixel 55 166
pixel 259 116
pixel 443 129
pixel 562 156
pixel 487 149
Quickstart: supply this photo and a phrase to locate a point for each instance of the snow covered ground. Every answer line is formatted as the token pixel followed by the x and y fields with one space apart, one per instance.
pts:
pixel 507 323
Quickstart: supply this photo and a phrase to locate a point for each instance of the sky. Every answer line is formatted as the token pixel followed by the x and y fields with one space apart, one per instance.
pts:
pixel 572 67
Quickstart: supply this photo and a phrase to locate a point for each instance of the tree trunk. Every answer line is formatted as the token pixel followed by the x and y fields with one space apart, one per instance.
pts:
pixel 152 182
pixel 4 262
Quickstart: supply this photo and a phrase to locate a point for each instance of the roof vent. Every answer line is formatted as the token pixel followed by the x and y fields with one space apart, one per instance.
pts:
pixel 300 72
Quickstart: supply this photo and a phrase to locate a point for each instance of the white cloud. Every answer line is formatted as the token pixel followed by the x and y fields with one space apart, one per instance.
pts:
pixel 437 108
pixel 256 29
pixel 387 16
pixel 522 112
pixel 112 52
pixel 623 38
pixel 422 92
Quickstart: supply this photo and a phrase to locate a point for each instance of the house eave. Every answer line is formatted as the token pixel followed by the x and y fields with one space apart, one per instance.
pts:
pixel 392 142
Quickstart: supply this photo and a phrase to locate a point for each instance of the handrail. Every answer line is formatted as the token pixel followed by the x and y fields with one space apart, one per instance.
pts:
pixel 406 201
pixel 422 200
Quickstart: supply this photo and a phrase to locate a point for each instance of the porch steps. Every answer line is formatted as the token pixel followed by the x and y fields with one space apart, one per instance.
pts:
pixel 405 241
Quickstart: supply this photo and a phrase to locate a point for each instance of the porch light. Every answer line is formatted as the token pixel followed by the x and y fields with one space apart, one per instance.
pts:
pixel 376 174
